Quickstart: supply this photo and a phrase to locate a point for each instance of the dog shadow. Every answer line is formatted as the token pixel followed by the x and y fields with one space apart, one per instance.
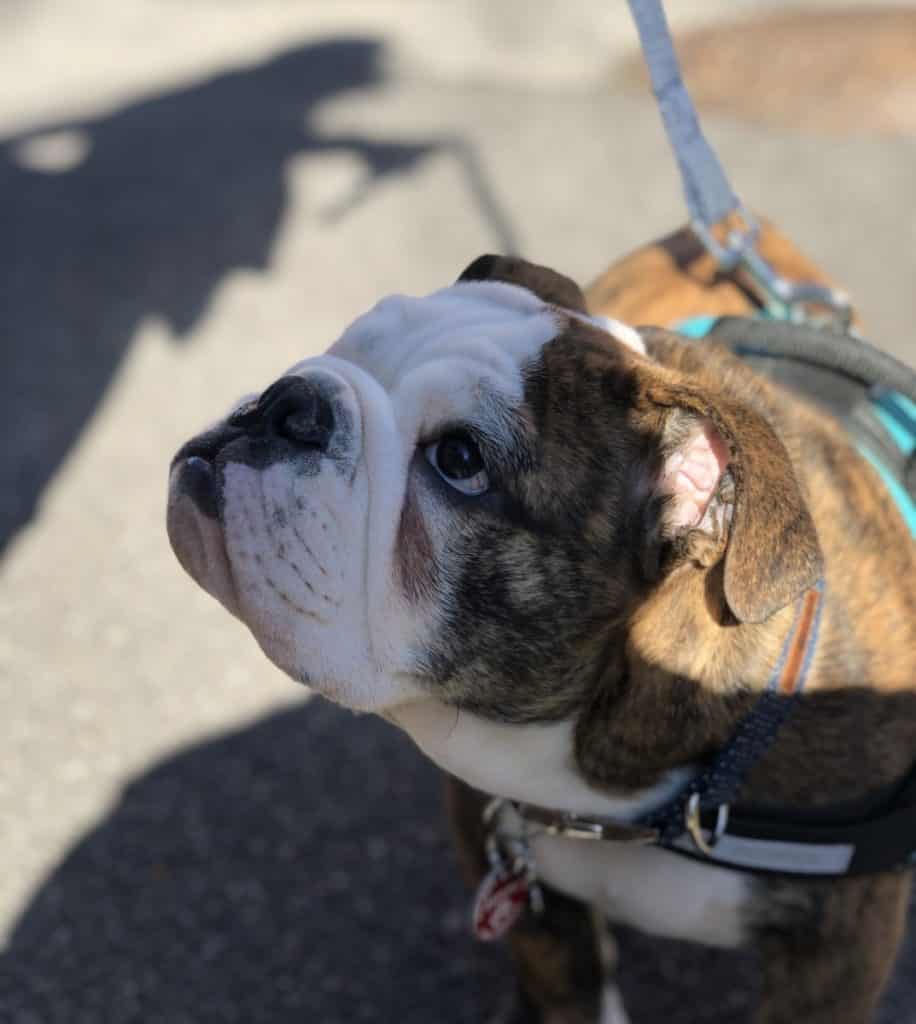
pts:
pixel 297 870
pixel 142 212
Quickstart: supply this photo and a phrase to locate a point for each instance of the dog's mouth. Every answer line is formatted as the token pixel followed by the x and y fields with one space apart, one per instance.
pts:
pixel 194 515
pixel 193 470
pixel 196 478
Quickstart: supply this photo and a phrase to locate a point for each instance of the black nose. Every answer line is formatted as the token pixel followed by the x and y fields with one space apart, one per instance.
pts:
pixel 294 408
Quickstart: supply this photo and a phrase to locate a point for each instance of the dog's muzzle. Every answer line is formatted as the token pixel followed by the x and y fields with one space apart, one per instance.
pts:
pixel 301 420
pixel 297 418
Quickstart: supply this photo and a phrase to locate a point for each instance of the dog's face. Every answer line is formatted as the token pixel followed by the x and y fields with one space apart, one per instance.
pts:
pixel 465 497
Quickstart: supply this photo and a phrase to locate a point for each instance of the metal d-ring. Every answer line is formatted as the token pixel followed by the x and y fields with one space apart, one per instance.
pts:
pixel 695 828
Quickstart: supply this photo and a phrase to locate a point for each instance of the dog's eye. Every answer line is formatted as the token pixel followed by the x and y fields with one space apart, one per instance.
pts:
pixel 458 461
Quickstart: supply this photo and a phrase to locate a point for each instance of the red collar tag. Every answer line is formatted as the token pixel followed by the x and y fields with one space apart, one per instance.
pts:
pixel 501 899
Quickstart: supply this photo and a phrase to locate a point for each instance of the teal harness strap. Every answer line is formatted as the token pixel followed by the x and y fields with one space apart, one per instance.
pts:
pixel 896 413
pixel 696 326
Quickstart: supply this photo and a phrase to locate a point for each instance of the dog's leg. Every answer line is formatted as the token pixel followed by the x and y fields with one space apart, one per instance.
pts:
pixel 612 1007
pixel 828 948
pixel 556 953
pixel 558 966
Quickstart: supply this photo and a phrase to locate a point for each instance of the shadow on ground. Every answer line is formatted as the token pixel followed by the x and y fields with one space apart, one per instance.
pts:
pixel 297 870
pixel 171 194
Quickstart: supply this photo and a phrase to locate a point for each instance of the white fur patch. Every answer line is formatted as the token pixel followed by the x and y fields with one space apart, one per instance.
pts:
pixel 529 763
pixel 477 329
pixel 620 331
pixel 612 1008
pixel 648 888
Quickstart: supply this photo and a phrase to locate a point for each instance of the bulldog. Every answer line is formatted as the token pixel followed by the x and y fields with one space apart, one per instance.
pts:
pixel 566 557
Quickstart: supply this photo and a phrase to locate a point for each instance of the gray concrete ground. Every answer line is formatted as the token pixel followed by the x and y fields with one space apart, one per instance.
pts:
pixel 191 199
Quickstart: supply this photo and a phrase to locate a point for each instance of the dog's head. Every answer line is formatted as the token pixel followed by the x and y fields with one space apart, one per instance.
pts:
pixel 470 493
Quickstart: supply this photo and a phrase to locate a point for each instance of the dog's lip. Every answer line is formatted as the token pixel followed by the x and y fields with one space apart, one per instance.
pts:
pixel 196 532
pixel 197 479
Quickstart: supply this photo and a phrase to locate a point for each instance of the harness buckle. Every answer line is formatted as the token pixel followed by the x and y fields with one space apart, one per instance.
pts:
pixel 695 829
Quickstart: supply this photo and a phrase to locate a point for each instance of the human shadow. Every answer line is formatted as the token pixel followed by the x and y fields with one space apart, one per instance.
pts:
pixel 296 870
pixel 299 869
pixel 172 193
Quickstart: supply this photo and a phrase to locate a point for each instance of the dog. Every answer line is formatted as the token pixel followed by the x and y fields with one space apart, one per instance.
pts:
pixel 564 555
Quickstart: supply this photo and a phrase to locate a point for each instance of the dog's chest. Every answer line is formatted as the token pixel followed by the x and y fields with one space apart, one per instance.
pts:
pixel 648 888
pixel 651 889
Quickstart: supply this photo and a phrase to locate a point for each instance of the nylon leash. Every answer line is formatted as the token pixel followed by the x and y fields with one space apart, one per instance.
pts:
pixel 709 195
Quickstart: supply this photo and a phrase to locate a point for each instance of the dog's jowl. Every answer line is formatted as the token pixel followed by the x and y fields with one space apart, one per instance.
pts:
pixel 567 557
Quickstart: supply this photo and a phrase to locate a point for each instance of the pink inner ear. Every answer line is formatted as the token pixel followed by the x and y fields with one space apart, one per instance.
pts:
pixel 692 473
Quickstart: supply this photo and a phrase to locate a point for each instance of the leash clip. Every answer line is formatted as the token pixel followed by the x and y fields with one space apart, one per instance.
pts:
pixel 738 244
pixel 783 299
pixel 511 858
pixel 787 299
pixel 695 828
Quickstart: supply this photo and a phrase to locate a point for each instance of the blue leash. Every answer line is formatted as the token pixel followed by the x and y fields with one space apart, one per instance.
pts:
pixel 710 197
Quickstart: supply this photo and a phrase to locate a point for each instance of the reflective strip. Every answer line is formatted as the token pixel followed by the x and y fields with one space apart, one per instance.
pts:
pixel 798 658
pixel 776 855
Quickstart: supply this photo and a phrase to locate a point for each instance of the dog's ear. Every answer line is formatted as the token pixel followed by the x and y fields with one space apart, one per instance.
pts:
pixel 728 480
pixel 547 284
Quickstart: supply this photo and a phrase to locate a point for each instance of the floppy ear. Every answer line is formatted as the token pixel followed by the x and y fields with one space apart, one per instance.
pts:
pixel 547 284
pixel 723 460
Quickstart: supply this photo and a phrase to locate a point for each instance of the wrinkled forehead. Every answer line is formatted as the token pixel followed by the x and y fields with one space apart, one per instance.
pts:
pixel 471 331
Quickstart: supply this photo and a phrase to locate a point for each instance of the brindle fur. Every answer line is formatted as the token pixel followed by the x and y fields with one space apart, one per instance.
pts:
pixel 658 643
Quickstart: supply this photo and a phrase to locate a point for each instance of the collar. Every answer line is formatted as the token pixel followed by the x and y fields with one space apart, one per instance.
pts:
pixel 701 820
pixel 716 786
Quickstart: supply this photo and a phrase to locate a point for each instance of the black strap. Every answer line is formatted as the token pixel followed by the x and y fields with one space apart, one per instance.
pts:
pixel 809 844
pixel 852 356
pixel 837 372
pixel 720 782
